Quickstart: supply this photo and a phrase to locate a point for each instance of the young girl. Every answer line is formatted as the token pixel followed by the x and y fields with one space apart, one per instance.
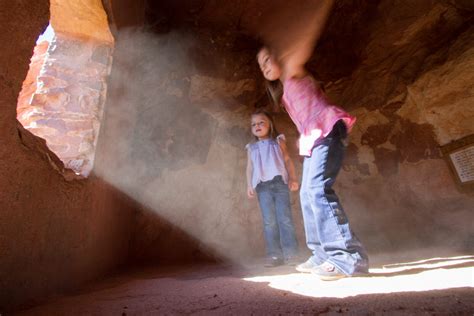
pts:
pixel 323 127
pixel 270 172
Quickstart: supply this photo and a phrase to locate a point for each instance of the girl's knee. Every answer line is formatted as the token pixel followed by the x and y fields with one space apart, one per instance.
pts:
pixel 270 222
pixel 286 221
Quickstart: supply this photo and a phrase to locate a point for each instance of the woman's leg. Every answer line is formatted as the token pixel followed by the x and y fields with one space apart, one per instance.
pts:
pixel 331 225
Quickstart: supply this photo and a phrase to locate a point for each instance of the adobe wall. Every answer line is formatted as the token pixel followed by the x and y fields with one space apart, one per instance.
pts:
pixel 54 234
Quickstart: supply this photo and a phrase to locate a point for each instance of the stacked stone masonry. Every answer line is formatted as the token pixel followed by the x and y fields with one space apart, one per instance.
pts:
pixel 67 103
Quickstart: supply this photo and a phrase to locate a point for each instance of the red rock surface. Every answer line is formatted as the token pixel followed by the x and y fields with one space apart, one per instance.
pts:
pixel 172 138
pixel 54 235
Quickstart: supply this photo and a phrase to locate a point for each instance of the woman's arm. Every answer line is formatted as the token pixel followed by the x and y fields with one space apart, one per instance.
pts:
pixel 290 167
pixel 250 190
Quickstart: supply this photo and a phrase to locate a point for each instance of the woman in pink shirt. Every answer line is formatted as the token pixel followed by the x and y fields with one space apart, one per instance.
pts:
pixel 323 128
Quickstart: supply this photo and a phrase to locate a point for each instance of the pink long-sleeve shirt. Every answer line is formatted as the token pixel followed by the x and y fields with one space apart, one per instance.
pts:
pixel 311 111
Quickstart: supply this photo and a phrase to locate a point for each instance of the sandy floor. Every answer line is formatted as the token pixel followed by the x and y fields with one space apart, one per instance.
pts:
pixel 438 286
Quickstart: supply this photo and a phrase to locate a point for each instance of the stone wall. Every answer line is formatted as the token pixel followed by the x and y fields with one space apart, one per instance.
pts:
pixel 410 84
pixel 124 13
pixel 404 69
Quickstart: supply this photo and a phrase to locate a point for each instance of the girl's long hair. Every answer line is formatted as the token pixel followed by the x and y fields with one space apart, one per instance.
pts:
pixel 274 91
pixel 273 131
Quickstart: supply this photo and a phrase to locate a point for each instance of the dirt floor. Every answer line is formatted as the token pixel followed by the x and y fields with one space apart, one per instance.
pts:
pixel 438 286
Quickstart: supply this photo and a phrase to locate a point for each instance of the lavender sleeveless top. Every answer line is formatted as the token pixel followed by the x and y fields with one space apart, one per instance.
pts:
pixel 267 160
pixel 311 111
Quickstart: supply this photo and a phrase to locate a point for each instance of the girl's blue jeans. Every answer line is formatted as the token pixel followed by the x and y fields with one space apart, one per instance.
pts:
pixel 278 228
pixel 328 234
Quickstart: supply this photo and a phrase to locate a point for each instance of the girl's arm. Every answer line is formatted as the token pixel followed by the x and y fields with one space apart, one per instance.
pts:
pixel 250 190
pixel 290 167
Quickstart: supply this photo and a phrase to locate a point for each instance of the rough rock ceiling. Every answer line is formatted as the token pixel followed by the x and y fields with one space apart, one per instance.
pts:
pixel 346 32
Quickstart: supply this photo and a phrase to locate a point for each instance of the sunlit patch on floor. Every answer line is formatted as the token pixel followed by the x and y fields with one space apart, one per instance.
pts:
pixel 423 275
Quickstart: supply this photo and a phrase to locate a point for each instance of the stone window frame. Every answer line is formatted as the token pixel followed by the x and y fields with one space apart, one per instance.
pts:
pixel 62 101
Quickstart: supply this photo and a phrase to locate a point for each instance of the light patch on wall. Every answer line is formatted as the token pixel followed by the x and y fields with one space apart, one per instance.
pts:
pixel 443 96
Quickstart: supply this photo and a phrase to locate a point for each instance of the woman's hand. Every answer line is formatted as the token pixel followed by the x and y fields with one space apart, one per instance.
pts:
pixel 293 185
pixel 250 192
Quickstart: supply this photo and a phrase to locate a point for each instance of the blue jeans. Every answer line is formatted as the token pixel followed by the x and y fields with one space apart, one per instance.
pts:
pixel 328 234
pixel 278 228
